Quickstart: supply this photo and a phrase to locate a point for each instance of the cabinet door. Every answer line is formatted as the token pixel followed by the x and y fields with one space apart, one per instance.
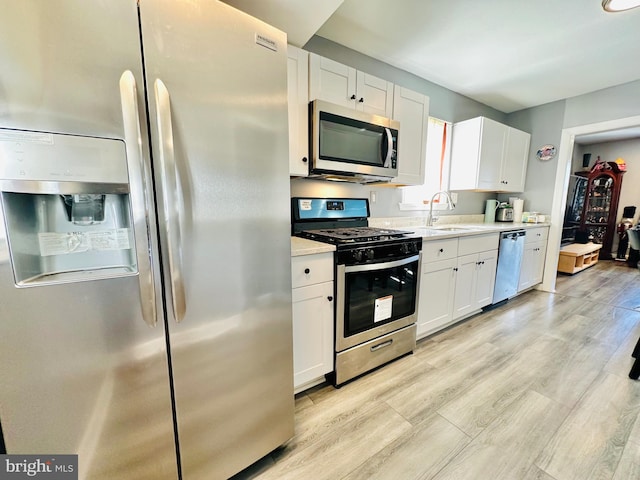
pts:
pixel 435 304
pixel 312 332
pixel 492 141
pixel 485 278
pixel 374 95
pixel 411 109
pixel 514 163
pixel 539 255
pixel 526 267
pixel 464 297
pixel 331 81
pixel 298 96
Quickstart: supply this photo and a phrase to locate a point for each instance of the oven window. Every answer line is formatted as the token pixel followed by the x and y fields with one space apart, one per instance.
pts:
pixel 377 297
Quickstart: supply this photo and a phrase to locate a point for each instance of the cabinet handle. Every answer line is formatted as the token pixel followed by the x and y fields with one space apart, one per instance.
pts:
pixel 307 271
pixel 330 298
pixel 353 97
pixel 441 250
pixel 305 159
pixel 455 269
pixel 361 100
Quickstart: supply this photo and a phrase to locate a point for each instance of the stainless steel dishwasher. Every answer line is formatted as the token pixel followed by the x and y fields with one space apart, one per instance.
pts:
pixel 509 261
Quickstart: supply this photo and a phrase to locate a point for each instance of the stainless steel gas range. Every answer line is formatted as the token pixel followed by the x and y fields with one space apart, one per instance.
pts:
pixel 376 282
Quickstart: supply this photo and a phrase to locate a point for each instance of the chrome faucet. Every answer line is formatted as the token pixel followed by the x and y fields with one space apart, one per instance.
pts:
pixel 449 203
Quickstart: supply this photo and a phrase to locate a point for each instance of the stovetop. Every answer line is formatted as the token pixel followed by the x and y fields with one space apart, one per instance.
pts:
pixel 349 235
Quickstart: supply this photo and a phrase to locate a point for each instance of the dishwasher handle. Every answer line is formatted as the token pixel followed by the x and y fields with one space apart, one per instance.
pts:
pixel 514 235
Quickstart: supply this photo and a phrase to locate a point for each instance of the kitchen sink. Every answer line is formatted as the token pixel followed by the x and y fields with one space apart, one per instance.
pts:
pixel 451 229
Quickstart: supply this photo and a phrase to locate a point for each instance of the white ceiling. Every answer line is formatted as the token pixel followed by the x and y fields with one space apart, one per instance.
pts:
pixel 507 54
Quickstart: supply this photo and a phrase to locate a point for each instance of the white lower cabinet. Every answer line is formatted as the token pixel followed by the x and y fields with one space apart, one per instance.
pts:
pixel 312 299
pixel 475 280
pixel 457 279
pixel 535 250
pixel 312 333
pixel 435 305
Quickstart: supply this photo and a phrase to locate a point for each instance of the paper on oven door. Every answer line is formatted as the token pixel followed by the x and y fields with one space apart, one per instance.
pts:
pixel 382 308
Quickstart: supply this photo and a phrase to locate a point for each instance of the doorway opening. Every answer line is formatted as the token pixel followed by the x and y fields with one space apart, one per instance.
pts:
pixel 563 173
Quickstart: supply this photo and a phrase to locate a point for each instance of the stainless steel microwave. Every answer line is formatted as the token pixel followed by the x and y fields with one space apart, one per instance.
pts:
pixel 350 145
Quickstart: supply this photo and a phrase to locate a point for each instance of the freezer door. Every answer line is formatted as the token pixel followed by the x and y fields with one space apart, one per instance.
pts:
pixel 216 80
pixel 81 371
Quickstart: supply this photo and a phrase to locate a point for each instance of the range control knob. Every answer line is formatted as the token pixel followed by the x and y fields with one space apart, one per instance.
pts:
pixel 370 254
pixel 357 255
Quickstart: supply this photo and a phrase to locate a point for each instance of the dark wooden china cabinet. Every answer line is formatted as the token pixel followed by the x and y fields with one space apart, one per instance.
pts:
pixel 600 206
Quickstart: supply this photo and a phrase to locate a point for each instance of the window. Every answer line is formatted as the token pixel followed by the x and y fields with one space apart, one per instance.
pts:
pixel 436 168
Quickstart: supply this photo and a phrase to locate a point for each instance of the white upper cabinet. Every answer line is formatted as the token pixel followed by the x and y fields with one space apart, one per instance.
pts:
pixel 514 167
pixel 334 82
pixel 411 109
pixel 298 98
pixel 488 155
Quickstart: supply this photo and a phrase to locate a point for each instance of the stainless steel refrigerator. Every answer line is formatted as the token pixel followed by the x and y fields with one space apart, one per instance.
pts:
pixel 145 292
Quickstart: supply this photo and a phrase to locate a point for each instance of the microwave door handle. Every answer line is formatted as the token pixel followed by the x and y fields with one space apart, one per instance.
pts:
pixel 388 155
pixel 139 194
pixel 168 174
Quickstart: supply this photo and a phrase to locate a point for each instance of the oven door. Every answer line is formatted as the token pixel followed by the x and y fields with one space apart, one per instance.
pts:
pixel 374 299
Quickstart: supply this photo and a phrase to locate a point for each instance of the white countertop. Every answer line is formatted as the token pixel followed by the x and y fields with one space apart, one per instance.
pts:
pixel 463 230
pixel 303 246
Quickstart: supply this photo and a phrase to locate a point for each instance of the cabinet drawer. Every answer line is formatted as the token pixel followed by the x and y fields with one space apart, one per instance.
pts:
pixel 434 250
pixel 310 269
pixel 538 234
pixel 478 243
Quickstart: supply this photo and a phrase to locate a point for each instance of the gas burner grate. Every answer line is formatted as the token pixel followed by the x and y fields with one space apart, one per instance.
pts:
pixel 355 234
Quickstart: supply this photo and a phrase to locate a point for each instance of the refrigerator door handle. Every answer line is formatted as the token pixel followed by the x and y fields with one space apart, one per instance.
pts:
pixel 138 194
pixel 170 199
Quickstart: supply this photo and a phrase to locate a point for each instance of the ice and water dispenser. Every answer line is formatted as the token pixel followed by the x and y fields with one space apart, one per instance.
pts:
pixel 66 207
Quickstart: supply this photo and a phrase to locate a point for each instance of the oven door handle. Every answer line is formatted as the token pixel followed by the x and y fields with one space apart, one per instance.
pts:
pixel 380 266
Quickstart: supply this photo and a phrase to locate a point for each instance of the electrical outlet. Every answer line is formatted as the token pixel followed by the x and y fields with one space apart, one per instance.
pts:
pixel 372 196
pixel 454 197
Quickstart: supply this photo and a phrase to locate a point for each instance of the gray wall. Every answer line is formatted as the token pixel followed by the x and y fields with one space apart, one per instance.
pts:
pixel 443 104
pixel 608 104
pixel 545 125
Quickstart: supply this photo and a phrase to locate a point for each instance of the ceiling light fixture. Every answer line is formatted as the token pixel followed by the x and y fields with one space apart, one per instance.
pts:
pixel 619 5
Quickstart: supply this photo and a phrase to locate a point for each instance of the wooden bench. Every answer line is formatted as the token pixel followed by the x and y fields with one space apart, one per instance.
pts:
pixel 578 256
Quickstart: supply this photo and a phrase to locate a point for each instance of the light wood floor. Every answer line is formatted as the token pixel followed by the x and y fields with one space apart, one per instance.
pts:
pixel 535 389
